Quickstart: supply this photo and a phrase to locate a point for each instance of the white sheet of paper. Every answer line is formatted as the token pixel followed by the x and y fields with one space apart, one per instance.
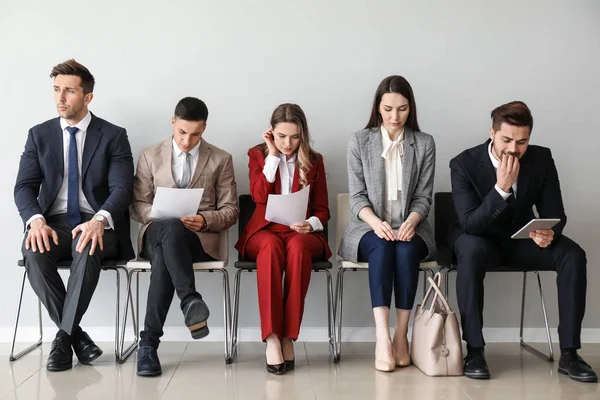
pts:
pixel 175 202
pixel 288 209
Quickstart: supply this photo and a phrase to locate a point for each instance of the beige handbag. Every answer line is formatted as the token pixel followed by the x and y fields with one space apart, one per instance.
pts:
pixel 436 345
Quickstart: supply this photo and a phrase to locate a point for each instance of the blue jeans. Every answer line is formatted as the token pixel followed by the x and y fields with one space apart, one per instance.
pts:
pixel 392 263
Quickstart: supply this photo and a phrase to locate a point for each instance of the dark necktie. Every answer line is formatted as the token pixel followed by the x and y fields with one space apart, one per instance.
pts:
pixel 73 211
pixel 511 199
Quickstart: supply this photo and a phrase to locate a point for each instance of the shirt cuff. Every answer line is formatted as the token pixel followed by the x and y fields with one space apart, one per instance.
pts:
pixel 270 169
pixel 315 223
pixel 106 214
pixel 502 193
pixel 34 217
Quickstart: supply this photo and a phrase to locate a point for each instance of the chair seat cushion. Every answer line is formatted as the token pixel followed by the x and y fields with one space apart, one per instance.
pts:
pixel 251 265
pixel 142 264
pixel 67 263
pixel 363 265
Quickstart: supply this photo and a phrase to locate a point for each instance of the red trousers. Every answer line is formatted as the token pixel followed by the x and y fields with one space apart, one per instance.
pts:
pixel 277 249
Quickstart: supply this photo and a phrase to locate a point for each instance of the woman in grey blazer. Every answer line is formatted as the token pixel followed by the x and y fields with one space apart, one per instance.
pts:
pixel 391 166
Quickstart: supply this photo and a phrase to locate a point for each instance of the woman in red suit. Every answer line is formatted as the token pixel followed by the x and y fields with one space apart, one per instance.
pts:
pixel 283 164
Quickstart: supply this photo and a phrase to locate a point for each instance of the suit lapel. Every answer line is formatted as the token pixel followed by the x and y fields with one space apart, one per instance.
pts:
pixel 166 155
pixel 486 168
pixel 203 156
pixel 407 165
pixel 92 138
pixel 376 166
pixel 57 147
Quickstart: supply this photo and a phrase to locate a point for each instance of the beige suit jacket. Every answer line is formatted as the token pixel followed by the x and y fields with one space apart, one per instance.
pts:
pixel 214 173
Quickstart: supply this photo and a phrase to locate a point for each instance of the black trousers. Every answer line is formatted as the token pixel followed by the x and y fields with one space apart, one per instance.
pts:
pixel 172 249
pixel 66 307
pixel 475 255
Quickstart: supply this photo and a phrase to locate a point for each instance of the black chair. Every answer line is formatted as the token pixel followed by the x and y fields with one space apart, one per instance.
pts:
pixel 107 265
pixel 445 216
pixel 247 207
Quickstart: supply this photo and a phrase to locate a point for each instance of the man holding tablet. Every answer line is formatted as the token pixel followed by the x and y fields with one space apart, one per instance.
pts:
pixel 495 186
pixel 173 244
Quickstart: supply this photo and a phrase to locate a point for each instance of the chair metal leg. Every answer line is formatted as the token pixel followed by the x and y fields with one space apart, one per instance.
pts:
pixel 117 313
pixel 227 315
pixel 125 353
pixel 236 313
pixel 330 315
pixel 12 357
pixel 550 356
pixel 339 297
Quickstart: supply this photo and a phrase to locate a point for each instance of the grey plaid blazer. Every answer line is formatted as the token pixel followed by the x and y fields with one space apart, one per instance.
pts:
pixel 366 181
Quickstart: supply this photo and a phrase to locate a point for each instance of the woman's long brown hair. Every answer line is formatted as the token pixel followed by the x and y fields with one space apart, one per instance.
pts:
pixel 292 113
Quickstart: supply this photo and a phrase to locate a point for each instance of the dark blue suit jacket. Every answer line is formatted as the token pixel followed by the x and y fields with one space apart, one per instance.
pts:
pixel 483 212
pixel 107 174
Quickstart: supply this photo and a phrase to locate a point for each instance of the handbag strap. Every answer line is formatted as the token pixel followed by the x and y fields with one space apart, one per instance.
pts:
pixel 437 281
pixel 439 296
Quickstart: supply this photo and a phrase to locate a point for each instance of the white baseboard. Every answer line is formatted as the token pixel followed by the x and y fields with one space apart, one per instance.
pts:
pixel 307 334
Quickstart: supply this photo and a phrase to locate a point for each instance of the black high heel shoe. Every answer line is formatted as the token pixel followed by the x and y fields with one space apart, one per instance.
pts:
pixel 276 369
pixel 290 365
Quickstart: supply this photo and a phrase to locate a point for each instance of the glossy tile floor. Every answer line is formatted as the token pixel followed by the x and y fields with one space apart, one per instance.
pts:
pixel 196 370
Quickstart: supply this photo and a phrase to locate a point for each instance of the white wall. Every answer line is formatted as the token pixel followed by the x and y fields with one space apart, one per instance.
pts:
pixel 243 58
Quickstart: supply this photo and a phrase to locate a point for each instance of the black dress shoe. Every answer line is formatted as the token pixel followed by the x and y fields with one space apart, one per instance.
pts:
pixel 196 313
pixel 290 365
pixel 61 355
pixel 475 366
pixel 276 369
pixel 85 348
pixel 572 364
pixel 148 362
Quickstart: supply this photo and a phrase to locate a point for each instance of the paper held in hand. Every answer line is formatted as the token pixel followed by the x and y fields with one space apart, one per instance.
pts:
pixel 288 209
pixel 175 202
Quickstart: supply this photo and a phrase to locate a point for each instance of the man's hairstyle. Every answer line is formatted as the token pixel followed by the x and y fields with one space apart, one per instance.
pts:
pixel 515 113
pixel 191 109
pixel 72 67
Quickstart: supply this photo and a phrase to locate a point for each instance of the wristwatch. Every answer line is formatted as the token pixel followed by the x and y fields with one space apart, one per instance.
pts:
pixel 205 226
pixel 101 218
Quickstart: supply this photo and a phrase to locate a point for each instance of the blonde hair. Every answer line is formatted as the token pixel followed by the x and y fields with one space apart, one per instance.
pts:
pixel 292 113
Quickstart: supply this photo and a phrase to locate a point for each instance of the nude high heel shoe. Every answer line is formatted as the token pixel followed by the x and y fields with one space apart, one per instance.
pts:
pixel 402 357
pixel 385 365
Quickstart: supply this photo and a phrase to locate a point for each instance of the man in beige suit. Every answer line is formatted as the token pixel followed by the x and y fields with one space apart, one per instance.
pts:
pixel 172 245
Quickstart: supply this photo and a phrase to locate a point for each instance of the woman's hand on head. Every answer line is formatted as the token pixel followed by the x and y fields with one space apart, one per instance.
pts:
pixel 270 142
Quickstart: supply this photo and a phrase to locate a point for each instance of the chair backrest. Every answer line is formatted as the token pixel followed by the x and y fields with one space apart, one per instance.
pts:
pixel 445 216
pixel 343 213
pixel 224 246
pixel 247 206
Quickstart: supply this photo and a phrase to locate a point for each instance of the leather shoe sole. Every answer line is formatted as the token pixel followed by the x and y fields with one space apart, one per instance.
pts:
pixel 196 315
pixel 149 372
pixel 477 375
pixel 564 371
pixel 57 368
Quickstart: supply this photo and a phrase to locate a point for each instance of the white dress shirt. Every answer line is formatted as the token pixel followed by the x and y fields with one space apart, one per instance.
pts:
pixel 286 176
pixel 495 163
pixel 178 162
pixel 60 203
pixel 393 152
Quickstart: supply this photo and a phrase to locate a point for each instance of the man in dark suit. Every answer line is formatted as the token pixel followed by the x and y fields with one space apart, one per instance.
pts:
pixel 495 186
pixel 73 190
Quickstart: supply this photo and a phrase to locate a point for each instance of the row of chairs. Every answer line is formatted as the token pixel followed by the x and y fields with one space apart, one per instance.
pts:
pixel 444 215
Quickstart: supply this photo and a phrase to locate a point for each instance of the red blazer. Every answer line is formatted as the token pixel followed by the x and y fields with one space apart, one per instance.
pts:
pixel 260 188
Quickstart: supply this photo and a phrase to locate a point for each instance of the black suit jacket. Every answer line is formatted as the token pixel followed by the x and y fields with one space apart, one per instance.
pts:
pixel 483 212
pixel 106 170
